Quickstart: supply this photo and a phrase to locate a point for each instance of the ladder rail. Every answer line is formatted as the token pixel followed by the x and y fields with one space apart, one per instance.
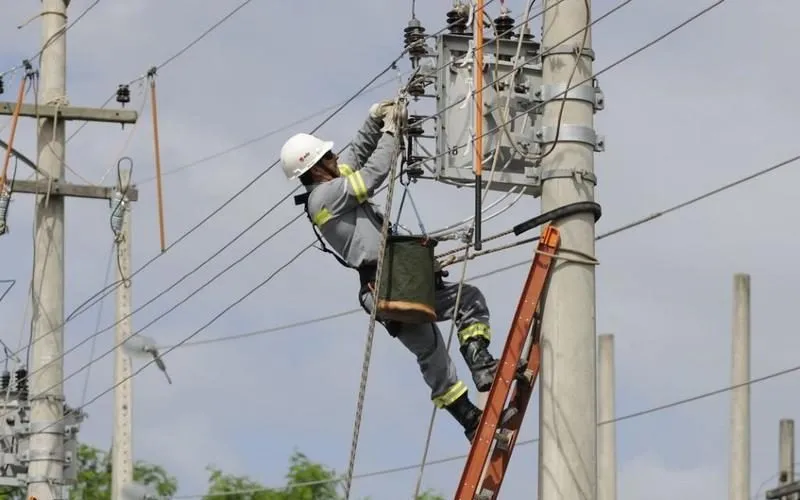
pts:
pixel 527 306
pixel 521 394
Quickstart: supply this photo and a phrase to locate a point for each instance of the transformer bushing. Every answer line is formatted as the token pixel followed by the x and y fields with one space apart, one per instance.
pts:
pixel 414 40
pixel 457 21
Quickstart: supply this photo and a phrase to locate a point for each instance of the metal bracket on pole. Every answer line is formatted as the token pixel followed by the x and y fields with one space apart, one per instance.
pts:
pixel 564 173
pixel 586 93
pixel 567 50
pixel 570 133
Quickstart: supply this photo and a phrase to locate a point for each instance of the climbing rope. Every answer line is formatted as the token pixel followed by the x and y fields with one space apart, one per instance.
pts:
pixel 348 479
pixel 474 229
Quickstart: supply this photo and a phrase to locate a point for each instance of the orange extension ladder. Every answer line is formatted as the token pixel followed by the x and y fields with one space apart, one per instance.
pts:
pixel 489 439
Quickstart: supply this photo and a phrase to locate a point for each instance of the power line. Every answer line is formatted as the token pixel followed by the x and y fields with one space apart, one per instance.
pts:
pixel 647 411
pixel 202 35
pixel 87 304
pixel 591 78
pixel 392 65
pixel 266 135
pixel 169 59
pixel 617 230
pixel 193 334
pixel 48 42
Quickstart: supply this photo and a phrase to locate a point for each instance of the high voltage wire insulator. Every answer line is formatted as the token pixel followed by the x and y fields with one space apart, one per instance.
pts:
pixel 504 26
pixel 118 207
pixel 5 201
pixel 123 95
pixel 414 170
pixel 22 383
pixel 414 37
pixel 5 380
pixel 414 129
pixel 457 21
pixel 416 87
pixel 2 85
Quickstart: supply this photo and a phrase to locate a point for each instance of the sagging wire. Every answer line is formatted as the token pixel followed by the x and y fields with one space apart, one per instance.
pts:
pixel 10 283
pixel 151 77
pixel 119 205
pixel 98 319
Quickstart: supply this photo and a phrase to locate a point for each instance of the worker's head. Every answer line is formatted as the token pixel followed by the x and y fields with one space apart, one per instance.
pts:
pixel 309 158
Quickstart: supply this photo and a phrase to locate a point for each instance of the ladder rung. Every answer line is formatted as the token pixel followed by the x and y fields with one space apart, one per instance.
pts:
pixel 504 437
pixel 489 433
pixel 485 495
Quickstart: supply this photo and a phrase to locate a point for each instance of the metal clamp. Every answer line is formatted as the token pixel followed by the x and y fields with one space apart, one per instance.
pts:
pixel 567 50
pixel 586 93
pixel 36 455
pixel 540 175
pixel 42 427
pixel 571 133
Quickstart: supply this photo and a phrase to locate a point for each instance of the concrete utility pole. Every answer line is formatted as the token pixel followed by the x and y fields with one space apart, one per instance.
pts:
pixel 607 433
pixel 46 467
pixel 788 488
pixel 46 452
pixel 122 453
pixel 739 474
pixel 568 410
pixel 786 453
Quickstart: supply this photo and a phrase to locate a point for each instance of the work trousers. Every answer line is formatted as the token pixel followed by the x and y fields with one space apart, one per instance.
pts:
pixel 425 341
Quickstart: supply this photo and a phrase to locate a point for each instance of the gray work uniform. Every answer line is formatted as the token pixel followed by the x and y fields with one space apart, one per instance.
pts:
pixel 351 226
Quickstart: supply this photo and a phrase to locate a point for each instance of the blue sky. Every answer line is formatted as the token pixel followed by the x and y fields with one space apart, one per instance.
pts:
pixel 707 105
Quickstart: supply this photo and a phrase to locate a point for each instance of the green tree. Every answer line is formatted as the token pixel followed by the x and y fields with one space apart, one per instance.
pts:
pixel 314 482
pixel 94 478
pixel 301 470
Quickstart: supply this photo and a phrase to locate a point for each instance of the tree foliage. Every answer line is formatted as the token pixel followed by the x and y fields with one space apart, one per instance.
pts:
pixel 305 480
pixel 94 478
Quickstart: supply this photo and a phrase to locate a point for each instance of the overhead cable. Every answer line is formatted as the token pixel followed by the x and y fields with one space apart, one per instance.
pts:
pixel 625 227
pixel 629 416
pixel 100 295
pixel 52 38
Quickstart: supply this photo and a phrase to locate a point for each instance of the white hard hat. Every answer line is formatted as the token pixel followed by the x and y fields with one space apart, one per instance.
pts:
pixel 301 152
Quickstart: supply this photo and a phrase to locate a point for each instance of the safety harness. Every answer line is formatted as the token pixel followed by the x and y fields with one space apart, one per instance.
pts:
pixel 302 199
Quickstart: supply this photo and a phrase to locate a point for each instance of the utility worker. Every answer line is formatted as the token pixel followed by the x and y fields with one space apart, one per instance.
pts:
pixel 337 201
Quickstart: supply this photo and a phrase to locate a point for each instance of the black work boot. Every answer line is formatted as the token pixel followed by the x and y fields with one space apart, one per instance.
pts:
pixel 480 361
pixel 466 414
pixel 469 415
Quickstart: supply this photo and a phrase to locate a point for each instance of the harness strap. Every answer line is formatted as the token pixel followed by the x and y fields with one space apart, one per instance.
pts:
pixel 302 199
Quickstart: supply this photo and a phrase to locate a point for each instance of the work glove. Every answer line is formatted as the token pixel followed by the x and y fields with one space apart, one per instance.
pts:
pixel 378 110
pixel 394 113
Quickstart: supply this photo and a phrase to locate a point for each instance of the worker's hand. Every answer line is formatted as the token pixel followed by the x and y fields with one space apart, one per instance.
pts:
pixel 394 114
pixel 378 110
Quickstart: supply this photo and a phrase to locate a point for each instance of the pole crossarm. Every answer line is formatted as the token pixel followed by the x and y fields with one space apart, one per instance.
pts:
pixel 71 113
pixel 55 187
